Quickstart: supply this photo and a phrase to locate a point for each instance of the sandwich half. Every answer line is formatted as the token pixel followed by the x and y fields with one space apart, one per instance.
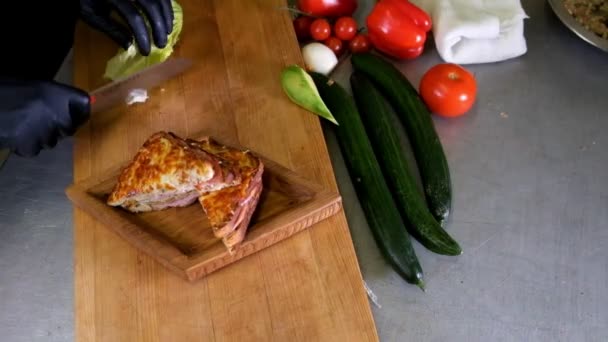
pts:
pixel 230 209
pixel 168 172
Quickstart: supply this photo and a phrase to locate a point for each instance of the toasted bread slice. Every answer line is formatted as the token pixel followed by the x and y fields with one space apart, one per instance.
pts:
pixel 229 210
pixel 167 172
pixel 243 218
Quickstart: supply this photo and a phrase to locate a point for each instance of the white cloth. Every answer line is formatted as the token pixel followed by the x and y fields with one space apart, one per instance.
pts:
pixel 477 31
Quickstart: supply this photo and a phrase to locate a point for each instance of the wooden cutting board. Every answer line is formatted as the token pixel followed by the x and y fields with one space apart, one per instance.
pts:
pixel 306 288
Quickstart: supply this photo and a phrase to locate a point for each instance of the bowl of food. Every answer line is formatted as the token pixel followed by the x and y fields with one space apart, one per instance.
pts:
pixel 586 18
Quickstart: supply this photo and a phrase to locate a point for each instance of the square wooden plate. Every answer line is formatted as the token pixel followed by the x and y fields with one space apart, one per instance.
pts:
pixel 181 239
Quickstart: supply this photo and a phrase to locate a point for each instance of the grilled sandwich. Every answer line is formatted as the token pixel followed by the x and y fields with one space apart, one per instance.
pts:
pixel 168 172
pixel 230 209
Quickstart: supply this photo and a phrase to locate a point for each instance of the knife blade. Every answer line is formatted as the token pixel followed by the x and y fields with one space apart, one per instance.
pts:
pixel 116 92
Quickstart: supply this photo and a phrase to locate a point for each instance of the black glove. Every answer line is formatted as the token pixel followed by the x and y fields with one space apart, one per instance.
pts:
pixel 159 15
pixel 36 114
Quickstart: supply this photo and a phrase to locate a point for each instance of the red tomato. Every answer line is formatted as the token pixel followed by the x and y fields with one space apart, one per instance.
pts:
pixel 302 27
pixel 328 8
pixel 345 28
pixel 360 44
pixel 320 29
pixel 448 89
pixel 335 45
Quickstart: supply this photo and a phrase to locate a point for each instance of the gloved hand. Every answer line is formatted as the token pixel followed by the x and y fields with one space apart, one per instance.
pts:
pixel 36 114
pixel 159 15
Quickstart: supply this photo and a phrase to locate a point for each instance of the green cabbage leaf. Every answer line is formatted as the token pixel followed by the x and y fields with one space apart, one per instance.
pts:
pixel 130 61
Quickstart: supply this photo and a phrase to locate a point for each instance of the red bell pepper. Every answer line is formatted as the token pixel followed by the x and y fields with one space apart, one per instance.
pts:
pixel 398 28
pixel 328 8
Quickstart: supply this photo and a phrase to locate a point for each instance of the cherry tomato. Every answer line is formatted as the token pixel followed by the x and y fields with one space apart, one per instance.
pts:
pixel 360 44
pixel 320 29
pixel 302 27
pixel 448 89
pixel 345 28
pixel 335 44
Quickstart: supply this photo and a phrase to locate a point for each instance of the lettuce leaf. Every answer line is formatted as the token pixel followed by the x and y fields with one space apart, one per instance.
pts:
pixel 130 61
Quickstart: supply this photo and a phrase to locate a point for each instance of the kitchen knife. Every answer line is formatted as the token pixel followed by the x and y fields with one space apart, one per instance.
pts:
pixel 115 93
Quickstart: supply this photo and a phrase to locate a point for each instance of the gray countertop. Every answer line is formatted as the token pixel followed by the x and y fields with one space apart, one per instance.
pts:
pixel 530 210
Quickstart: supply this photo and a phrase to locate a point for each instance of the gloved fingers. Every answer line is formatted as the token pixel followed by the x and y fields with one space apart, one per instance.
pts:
pixel 52 138
pixel 70 125
pixel 28 150
pixel 167 13
pixel 116 31
pixel 75 108
pixel 153 11
pixel 48 133
pixel 27 146
pixel 28 133
pixel 80 108
pixel 130 13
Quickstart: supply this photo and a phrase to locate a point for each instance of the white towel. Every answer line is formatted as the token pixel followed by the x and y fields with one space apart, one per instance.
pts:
pixel 477 31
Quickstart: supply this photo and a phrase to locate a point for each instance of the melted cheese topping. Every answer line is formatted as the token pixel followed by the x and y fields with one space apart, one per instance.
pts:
pixel 164 164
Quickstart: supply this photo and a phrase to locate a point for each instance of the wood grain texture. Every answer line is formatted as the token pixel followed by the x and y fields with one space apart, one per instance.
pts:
pixel 306 288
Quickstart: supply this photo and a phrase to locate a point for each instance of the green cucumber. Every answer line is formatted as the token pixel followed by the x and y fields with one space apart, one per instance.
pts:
pixel 376 116
pixel 372 191
pixel 417 121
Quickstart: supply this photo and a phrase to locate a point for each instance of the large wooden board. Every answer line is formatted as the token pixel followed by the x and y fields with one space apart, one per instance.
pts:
pixel 306 288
